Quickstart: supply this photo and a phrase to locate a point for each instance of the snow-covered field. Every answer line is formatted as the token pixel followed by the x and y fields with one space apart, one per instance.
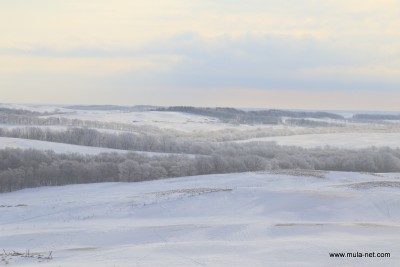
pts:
pixel 249 219
pixel 6 142
pixel 340 140
pixel 175 120
pixel 169 120
pixel 286 218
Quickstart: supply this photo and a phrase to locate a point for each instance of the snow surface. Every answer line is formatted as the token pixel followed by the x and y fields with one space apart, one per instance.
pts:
pixel 175 120
pixel 340 140
pixel 249 219
pixel 7 142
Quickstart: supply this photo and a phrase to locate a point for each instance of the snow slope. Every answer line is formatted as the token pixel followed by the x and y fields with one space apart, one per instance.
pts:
pixel 7 142
pixel 340 140
pixel 175 120
pixel 249 219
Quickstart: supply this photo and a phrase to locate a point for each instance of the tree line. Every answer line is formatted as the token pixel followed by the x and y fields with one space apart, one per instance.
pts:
pixel 32 168
pixel 17 119
pixel 271 116
pixel 120 140
pixel 375 117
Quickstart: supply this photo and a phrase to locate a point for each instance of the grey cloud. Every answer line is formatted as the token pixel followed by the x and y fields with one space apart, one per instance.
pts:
pixel 250 61
pixel 270 61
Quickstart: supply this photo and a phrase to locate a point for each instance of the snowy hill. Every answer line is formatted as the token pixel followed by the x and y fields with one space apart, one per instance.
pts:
pixel 174 120
pixel 340 140
pixel 293 218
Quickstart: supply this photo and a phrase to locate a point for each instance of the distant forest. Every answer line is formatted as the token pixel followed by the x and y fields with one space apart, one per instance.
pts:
pixel 232 115
pixel 15 111
pixel 8 111
pixel 373 117
pixel 111 107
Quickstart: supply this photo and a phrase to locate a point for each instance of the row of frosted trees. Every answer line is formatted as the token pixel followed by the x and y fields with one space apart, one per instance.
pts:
pixel 32 168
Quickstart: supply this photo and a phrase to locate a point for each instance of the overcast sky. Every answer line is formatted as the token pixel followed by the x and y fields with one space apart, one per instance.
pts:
pixel 316 54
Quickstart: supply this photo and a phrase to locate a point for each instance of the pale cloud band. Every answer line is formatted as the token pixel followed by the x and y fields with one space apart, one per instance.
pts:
pixel 279 50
